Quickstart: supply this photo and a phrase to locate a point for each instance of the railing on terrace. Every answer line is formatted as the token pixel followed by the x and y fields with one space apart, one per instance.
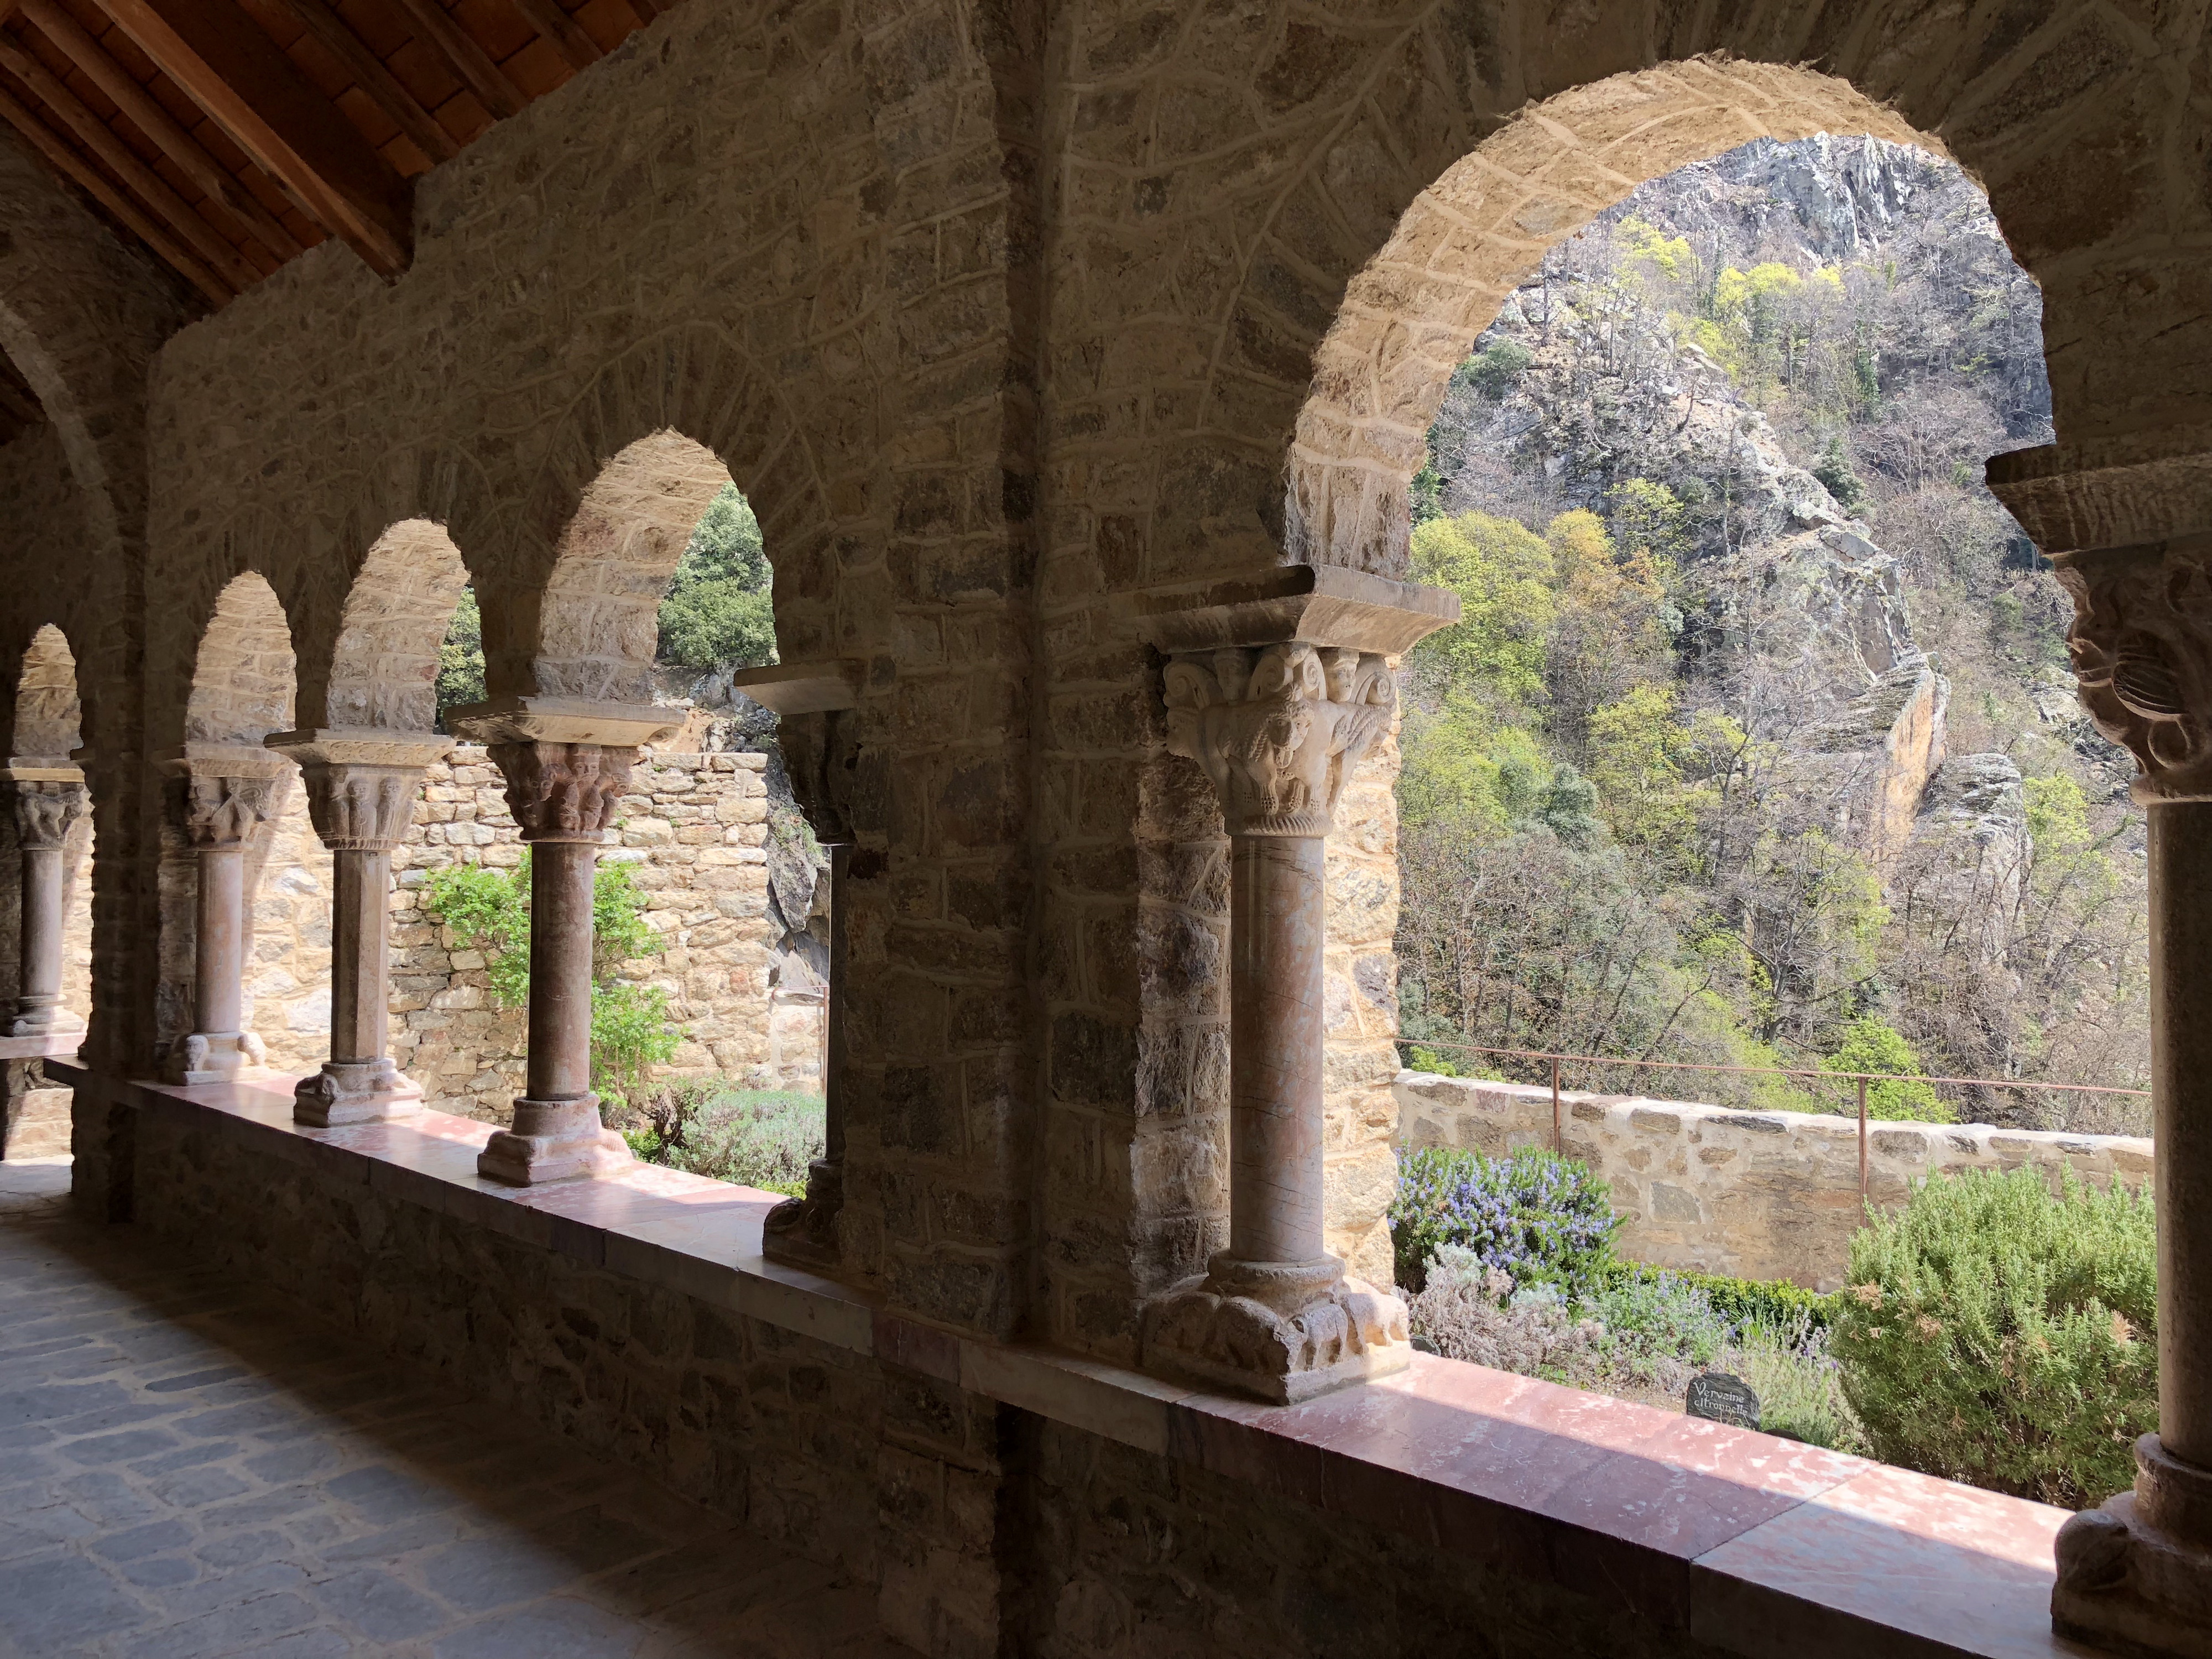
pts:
pixel 1860 1080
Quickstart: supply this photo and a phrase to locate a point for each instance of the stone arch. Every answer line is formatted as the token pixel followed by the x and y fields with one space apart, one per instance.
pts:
pixel 598 626
pixel 49 717
pixel 384 667
pixel 1413 312
pixel 242 676
pixel 690 387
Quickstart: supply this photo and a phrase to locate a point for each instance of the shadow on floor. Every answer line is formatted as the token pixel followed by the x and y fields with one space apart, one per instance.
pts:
pixel 190 1466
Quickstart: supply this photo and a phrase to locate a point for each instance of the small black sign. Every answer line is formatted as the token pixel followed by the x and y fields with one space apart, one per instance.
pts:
pixel 1724 1399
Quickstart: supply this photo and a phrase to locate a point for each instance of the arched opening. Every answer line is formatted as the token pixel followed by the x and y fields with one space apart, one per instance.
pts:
pixel 1701 452
pixel 385 667
pixel 713 930
pixel 46 895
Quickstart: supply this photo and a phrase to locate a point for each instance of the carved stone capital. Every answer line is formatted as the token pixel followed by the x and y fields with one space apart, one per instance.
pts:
pixel 46 810
pixel 222 812
pixel 563 791
pixel 1278 728
pixel 363 809
pixel 2141 646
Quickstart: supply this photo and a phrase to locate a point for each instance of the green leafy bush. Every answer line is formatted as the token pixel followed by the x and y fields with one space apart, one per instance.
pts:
pixel 1532 1216
pixel 1873 1046
pixel 750 1137
pixel 1774 1302
pixel 489 911
pixel 1996 1332
pixel 460 657
pixel 717 611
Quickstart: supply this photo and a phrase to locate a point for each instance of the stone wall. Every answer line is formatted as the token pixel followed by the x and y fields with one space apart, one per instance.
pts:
pixel 694 833
pixel 1753 1195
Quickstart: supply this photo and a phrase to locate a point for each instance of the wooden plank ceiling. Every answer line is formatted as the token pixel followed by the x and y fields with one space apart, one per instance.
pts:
pixel 230 135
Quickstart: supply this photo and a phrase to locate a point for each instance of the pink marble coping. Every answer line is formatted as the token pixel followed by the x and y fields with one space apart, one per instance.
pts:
pixel 49 1045
pixel 1754 1544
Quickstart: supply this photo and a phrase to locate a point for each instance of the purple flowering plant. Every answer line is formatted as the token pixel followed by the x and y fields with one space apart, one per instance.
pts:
pixel 1536 1217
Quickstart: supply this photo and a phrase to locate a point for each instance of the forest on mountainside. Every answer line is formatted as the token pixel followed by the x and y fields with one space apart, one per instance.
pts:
pixel 1758 745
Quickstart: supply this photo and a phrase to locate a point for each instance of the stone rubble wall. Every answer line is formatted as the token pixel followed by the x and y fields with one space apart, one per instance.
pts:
pixel 694 833
pixel 1751 1194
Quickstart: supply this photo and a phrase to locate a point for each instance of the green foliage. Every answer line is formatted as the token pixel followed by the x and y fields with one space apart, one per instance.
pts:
pixel 1996 1332
pixel 1649 519
pixel 1503 575
pixel 718 611
pixel 460 657
pixel 1535 1217
pixel 1773 1301
pixel 1873 1045
pixel 750 1136
pixel 489 911
pixel 1496 369
pixel 1834 471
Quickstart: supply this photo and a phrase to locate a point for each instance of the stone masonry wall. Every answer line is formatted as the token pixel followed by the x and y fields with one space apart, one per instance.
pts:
pixel 1751 1194
pixel 693 833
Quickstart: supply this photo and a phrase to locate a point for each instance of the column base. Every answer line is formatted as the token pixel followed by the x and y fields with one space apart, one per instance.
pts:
pixel 553 1141
pixel 215 1057
pixel 2135 1577
pixel 1282 1331
pixel 802 1233
pixel 355 1092
pixel 51 1020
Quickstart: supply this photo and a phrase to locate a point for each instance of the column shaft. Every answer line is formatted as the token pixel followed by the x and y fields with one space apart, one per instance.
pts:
pixel 2180 849
pixel 361 957
pixel 1275 995
pixel 561 970
pixel 42 982
pixel 218 944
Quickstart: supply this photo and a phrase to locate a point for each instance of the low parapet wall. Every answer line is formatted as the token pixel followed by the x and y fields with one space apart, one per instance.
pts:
pixel 1753 1195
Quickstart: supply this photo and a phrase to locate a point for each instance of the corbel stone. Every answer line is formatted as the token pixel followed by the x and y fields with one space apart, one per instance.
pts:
pixel 1277 687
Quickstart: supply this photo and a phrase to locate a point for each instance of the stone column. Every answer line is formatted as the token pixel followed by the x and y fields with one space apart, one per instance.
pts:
pixel 1278 699
pixel 47 803
pixel 362 786
pixel 567 763
pixel 811 701
pixel 230 789
pixel 2130 531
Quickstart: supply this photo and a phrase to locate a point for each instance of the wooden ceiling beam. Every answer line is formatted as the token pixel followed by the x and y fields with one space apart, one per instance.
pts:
pixel 72 166
pixel 145 113
pixel 123 162
pixel 370 74
pixel 434 26
pixel 568 36
pixel 225 63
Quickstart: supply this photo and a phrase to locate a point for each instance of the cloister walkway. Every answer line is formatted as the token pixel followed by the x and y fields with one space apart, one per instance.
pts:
pixel 192 1466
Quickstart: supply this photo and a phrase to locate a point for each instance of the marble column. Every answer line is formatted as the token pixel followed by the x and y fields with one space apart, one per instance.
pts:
pixel 2136 1573
pixel 47 803
pixel 811 701
pixel 361 787
pixel 228 790
pixel 567 763
pixel 1278 700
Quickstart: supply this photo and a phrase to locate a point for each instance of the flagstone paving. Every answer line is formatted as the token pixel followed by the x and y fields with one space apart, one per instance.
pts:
pixel 192 1466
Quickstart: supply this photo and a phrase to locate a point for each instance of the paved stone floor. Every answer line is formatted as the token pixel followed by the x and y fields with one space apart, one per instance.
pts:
pixel 188 1467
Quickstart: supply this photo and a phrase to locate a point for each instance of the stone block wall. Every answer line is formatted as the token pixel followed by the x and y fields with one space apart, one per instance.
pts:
pixel 1753 1195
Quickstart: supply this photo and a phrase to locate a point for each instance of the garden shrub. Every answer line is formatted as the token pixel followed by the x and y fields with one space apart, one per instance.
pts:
pixel 761 1138
pixel 1996 1332
pixel 1533 1216
pixel 1774 1302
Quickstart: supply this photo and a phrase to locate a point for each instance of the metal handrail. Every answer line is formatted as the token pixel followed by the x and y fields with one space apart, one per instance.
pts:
pixel 1862 1078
